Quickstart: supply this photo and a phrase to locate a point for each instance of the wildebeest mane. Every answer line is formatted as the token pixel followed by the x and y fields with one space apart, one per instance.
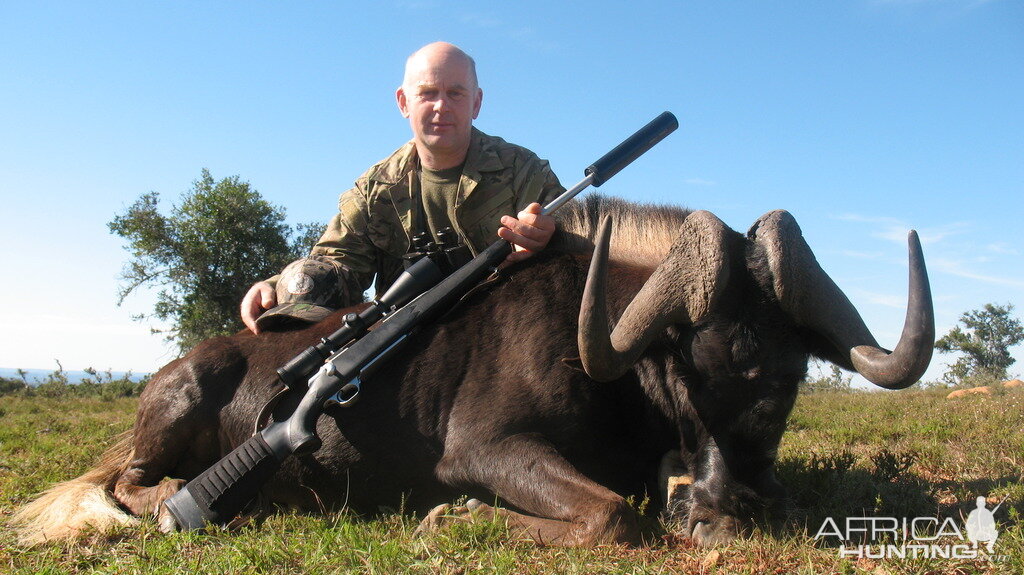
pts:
pixel 641 233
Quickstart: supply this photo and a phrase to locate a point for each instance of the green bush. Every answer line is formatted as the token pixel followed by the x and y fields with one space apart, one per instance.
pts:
pixel 9 386
pixel 102 385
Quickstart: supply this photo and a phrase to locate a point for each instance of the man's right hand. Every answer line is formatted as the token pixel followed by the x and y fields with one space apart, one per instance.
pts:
pixel 260 297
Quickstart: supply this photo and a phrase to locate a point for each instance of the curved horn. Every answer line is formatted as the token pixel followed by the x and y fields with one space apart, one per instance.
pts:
pixel 810 296
pixel 682 290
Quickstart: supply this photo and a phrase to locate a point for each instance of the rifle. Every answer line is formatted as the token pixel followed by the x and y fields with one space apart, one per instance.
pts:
pixel 336 367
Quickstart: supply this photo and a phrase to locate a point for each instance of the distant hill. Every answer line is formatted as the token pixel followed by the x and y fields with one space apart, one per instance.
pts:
pixel 36 376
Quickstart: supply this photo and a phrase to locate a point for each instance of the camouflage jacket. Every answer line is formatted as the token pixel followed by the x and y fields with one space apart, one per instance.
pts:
pixel 378 217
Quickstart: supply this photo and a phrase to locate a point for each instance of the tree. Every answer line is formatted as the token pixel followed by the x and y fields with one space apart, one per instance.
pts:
pixel 836 380
pixel 985 339
pixel 221 239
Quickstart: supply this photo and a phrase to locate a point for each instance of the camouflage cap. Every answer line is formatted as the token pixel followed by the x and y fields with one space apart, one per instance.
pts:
pixel 309 290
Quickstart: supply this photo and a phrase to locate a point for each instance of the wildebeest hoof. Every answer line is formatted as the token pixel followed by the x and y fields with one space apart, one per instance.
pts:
pixel 432 522
pixel 717 532
pixel 440 516
pixel 165 522
pixel 445 514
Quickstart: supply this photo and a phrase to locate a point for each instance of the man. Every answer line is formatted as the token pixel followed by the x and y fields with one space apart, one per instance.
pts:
pixel 449 175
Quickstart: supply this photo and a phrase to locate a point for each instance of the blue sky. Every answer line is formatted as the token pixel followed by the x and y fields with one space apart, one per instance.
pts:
pixel 864 118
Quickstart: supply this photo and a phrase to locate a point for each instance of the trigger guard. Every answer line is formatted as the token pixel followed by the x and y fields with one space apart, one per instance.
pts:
pixel 347 395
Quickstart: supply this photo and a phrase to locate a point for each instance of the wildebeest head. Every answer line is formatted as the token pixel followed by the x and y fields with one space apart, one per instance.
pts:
pixel 743 314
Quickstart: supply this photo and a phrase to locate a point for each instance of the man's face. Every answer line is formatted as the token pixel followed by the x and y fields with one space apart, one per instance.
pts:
pixel 441 100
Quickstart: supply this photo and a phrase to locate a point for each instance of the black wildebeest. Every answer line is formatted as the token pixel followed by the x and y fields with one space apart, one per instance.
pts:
pixel 521 392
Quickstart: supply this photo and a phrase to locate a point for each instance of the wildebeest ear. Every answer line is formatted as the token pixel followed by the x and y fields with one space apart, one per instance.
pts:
pixel 574 363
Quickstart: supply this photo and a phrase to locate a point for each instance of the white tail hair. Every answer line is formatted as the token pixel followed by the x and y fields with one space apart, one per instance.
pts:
pixel 82 505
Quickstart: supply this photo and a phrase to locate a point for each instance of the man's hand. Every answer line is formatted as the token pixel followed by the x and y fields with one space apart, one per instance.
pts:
pixel 260 297
pixel 530 232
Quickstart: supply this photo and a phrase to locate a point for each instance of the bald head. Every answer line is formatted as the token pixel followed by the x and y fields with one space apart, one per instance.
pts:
pixel 441 97
pixel 436 55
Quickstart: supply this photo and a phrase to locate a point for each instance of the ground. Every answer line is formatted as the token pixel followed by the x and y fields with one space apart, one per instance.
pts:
pixel 852 454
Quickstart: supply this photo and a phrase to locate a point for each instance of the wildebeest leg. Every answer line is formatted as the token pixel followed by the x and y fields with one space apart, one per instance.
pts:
pixel 524 469
pixel 720 505
pixel 144 500
pixel 142 487
pixel 172 425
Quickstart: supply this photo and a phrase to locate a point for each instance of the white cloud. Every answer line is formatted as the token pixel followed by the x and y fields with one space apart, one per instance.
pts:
pixel 895 234
pixel 1003 249
pixel 928 236
pixel 896 230
pixel 872 256
pixel 887 300
pixel 936 235
pixel 867 219
pixel 957 268
pixel 892 229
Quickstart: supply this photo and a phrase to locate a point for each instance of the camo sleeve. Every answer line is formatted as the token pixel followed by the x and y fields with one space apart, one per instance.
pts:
pixel 346 241
pixel 536 182
pixel 551 188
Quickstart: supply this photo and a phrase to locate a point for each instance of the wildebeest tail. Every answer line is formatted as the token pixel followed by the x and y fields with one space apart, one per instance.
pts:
pixel 72 508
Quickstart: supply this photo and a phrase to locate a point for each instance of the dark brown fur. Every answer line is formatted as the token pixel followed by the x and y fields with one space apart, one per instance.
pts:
pixel 489 401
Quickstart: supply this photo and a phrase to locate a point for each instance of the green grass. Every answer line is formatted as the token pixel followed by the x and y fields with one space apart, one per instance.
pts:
pixel 910 453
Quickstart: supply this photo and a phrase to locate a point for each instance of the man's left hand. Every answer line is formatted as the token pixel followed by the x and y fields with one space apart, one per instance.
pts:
pixel 530 231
